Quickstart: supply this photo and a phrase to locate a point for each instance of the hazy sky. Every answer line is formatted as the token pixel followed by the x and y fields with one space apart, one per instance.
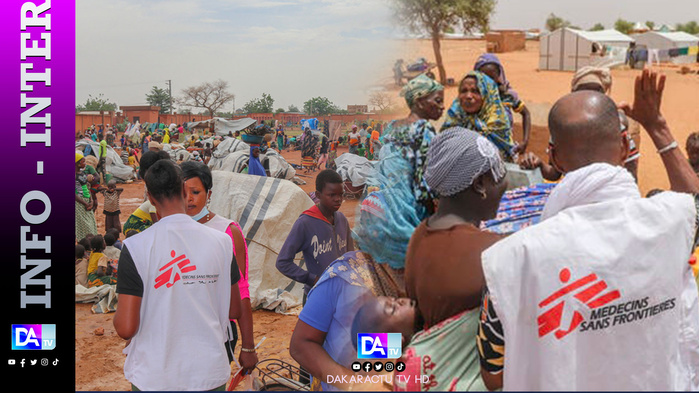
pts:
pixel 291 49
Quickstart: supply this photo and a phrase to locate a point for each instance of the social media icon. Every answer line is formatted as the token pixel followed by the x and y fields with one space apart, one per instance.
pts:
pixel 44 362
pixel 389 366
pixel 378 366
pixel 21 363
pixel 55 362
pixel 356 366
pixel 367 366
pixel 11 362
pixel 379 345
pixel 400 366
pixel 33 362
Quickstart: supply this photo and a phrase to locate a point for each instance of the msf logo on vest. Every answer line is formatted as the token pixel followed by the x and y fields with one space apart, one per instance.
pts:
pixel 173 270
pixel 33 337
pixel 379 345
pixel 590 291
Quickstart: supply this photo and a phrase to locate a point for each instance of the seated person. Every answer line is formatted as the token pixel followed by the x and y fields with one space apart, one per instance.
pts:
pixel 98 270
pixel 80 266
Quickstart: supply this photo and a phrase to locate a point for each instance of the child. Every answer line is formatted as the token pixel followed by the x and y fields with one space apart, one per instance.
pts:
pixel 116 233
pixel 80 265
pixel 692 148
pixel 98 270
pixel 322 233
pixel 111 205
pixel 490 65
pixel 110 251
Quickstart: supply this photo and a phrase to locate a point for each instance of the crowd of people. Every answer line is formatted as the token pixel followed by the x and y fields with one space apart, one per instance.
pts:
pixel 565 302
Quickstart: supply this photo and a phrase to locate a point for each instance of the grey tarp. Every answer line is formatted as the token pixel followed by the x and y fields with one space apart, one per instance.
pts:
pixel 223 126
pixel 266 209
pixel 278 166
pixel 226 147
pixel 354 168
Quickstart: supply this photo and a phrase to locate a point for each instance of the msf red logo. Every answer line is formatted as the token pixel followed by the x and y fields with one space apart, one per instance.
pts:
pixel 171 271
pixel 588 290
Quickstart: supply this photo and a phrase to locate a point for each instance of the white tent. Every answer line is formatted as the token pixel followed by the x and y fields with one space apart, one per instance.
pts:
pixel 665 41
pixel 223 126
pixel 568 49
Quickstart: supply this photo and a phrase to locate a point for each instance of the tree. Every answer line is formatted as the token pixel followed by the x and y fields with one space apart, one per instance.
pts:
pixel 689 27
pixel 381 100
pixel 624 26
pixel 160 97
pixel 319 106
pixel 293 108
pixel 98 103
pixel 210 96
pixel 280 110
pixel 554 22
pixel 597 27
pixel 650 25
pixel 437 16
pixel 260 105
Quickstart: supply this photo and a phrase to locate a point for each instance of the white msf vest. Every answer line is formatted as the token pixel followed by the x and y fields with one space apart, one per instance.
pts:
pixel 600 296
pixel 186 269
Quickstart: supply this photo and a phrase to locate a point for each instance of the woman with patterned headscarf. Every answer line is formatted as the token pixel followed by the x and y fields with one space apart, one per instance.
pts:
pixel 478 107
pixel 399 197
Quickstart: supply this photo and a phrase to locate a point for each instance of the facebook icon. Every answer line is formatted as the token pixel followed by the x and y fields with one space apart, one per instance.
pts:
pixel 379 345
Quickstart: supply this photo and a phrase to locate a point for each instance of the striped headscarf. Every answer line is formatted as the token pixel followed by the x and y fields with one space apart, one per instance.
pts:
pixel 418 87
pixel 491 121
pixel 457 158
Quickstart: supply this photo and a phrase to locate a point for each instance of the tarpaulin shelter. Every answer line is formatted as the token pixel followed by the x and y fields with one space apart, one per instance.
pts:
pixel 568 49
pixel 671 46
pixel 114 164
pixel 266 209
pixel 222 126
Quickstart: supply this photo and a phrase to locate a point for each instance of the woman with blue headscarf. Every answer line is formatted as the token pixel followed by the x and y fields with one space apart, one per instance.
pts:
pixel 478 107
pixel 254 165
pixel 399 197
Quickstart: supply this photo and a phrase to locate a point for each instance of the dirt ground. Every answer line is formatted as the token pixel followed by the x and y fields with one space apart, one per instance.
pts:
pixel 540 89
pixel 99 361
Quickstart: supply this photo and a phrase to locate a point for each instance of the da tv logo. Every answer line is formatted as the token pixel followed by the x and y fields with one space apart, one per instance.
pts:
pixel 33 337
pixel 379 345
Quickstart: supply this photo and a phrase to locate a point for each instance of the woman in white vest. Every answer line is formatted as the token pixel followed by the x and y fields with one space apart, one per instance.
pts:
pixel 198 184
pixel 599 295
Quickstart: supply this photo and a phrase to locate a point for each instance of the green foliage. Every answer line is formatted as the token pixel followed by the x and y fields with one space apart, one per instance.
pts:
pixel 320 106
pixel 623 26
pixel 689 27
pixel 554 22
pixel 650 24
pixel 98 103
pixel 293 108
pixel 434 17
pixel 260 105
pixel 160 97
pixel 597 27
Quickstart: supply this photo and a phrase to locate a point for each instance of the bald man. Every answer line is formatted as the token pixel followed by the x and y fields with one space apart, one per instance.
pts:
pixel 600 294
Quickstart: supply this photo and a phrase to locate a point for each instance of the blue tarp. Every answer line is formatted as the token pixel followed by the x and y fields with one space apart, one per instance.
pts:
pixel 311 123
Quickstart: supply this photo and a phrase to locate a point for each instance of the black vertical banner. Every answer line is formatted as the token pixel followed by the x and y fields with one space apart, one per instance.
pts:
pixel 37 93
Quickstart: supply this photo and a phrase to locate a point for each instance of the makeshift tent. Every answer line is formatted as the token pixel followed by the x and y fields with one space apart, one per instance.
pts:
pixel 568 49
pixel 354 168
pixel 277 165
pixel 226 147
pixel 222 126
pixel 664 43
pixel 266 209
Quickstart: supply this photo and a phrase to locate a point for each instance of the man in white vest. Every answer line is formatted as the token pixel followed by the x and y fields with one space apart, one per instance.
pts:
pixel 599 295
pixel 177 292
